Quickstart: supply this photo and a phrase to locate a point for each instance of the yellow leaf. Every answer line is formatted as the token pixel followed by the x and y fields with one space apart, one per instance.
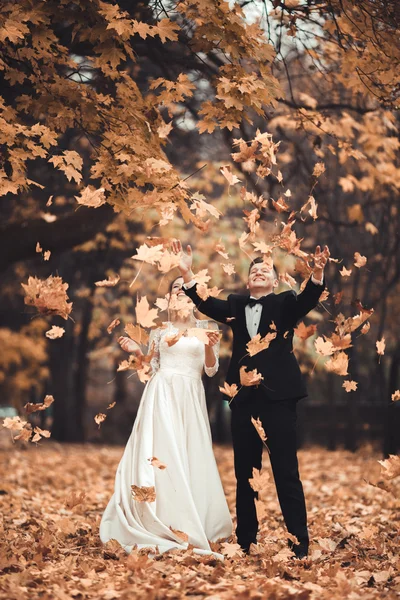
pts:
pixel 229 390
pixel 259 428
pixel 324 348
pixel 380 346
pixel 350 386
pixel 250 378
pixel 258 344
pixel 144 314
pixel 55 332
pixel 395 396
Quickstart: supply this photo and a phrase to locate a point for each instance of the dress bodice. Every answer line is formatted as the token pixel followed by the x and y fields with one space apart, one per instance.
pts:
pixel 184 357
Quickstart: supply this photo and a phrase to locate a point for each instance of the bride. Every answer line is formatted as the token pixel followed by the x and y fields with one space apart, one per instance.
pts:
pixel 185 503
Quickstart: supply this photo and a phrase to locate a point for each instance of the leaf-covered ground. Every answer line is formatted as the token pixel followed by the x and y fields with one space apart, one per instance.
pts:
pixel 52 498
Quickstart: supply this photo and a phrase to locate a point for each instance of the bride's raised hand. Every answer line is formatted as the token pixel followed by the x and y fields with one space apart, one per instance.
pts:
pixel 213 337
pixel 186 258
pixel 129 346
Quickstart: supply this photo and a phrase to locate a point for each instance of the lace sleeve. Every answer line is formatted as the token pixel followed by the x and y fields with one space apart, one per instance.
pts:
pixel 211 371
pixel 154 339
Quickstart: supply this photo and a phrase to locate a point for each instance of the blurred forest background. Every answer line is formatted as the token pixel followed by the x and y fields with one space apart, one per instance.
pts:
pixel 115 115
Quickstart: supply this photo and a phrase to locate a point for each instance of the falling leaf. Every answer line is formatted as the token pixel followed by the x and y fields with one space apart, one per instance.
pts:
pixel 288 279
pixel 14 423
pixel 202 277
pixel 113 325
pixel 260 480
pixel 38 248
pixel 162 303
pixel 229 390
pixel 174 338
pixel 49 296
pixel 380 346
pixel 110 282
pixel 136 333
pixel 258 344
pixel 337 297
pixel 89 196
pixel 149 254
pixel 229 268
pixel 144 314
pixel 395 396
pixel 31 407
pixel 262 247
pixel 46 255
pixel 157 463
pixel 143 494
pixel 220 248
pixel 39 433
pixel 99 418
pixel 111 405
pixel 319 168
pixel 199 333
pixel 366 327
pixel 250 378
pixel 55 332
pixel 345 272
pixel 280 205
pixel 370 227
pixel 350 386
pixel 168 261
pixel 259 428
pixel 304 332
pixel 164 130
pixel 324 348
pixel 338 363
pixel 359 261
pixel 227 173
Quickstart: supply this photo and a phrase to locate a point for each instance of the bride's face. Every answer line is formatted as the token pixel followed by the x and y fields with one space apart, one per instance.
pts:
pixel 177 288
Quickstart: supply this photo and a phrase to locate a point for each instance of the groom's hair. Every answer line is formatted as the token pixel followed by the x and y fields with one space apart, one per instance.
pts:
pixel 258 260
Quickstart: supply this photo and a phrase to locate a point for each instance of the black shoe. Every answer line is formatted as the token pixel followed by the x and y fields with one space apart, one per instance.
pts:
pixel 246 547
pixel 300 551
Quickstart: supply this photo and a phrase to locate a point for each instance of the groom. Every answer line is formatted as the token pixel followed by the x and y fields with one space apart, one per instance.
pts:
pixel 274 400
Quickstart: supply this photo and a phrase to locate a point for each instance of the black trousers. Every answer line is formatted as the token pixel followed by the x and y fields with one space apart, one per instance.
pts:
pixel 279 422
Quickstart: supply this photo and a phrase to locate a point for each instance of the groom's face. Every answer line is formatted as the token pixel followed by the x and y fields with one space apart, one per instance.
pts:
pixel 262 279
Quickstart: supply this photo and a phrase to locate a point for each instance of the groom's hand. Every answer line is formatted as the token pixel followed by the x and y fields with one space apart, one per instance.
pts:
pixel 186 260
pixel 320 260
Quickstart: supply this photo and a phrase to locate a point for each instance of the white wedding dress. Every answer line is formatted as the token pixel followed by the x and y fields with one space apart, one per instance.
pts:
pixel 172 425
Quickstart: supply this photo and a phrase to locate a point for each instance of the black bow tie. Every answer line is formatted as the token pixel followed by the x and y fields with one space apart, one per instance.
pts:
pixel 253 301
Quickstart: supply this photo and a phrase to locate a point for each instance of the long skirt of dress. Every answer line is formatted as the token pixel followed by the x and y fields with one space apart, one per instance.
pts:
pixel 171 425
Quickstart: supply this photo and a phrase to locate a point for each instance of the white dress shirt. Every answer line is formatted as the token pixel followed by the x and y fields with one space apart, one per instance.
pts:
pixel 253 313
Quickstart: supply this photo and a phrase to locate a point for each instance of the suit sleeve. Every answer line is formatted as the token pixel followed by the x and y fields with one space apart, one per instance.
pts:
pixel 297 306
pixel 214 308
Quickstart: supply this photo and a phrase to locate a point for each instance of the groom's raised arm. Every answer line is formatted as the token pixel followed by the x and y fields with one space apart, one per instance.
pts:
pixel 297 306
pixel 214 308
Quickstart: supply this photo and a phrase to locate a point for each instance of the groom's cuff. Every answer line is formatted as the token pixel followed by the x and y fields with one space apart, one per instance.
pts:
pixel 187 286
pixel 313 279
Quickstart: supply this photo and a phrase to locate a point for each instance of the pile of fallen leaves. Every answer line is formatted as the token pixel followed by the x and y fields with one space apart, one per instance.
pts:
pixel 52 498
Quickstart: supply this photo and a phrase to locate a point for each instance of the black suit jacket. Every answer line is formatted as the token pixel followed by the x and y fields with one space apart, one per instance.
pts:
pixel 277 364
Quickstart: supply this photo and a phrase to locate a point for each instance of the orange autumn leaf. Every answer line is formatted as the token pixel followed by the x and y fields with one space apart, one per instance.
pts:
pixel 350 386
pixel 303 331
pixel 259 428
pixel 338 364
pixel 39 433
pixel 110 282
pixel 49 296
pixel 345 272
pixel 260 480
pixel 149 254
pixel 231 550
pixel 229 176
pixel 366 327
pixel 319 168
pixel 31 407
pixel 390 466
pixel 55 332
pixel 136 333
pixel 250 378
pixel 99 418
pixel 229 268
pixel 89 196
pixel 380 346
pixel 180 534
pixel 359 260
pixel 202 277
pixel 157 463
pixel 258 344
pixel 143 494
pixel 396 396
pixel 324 348
pixel 220 248
pixel 144 314
pixel 114 323
pixel 229 390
